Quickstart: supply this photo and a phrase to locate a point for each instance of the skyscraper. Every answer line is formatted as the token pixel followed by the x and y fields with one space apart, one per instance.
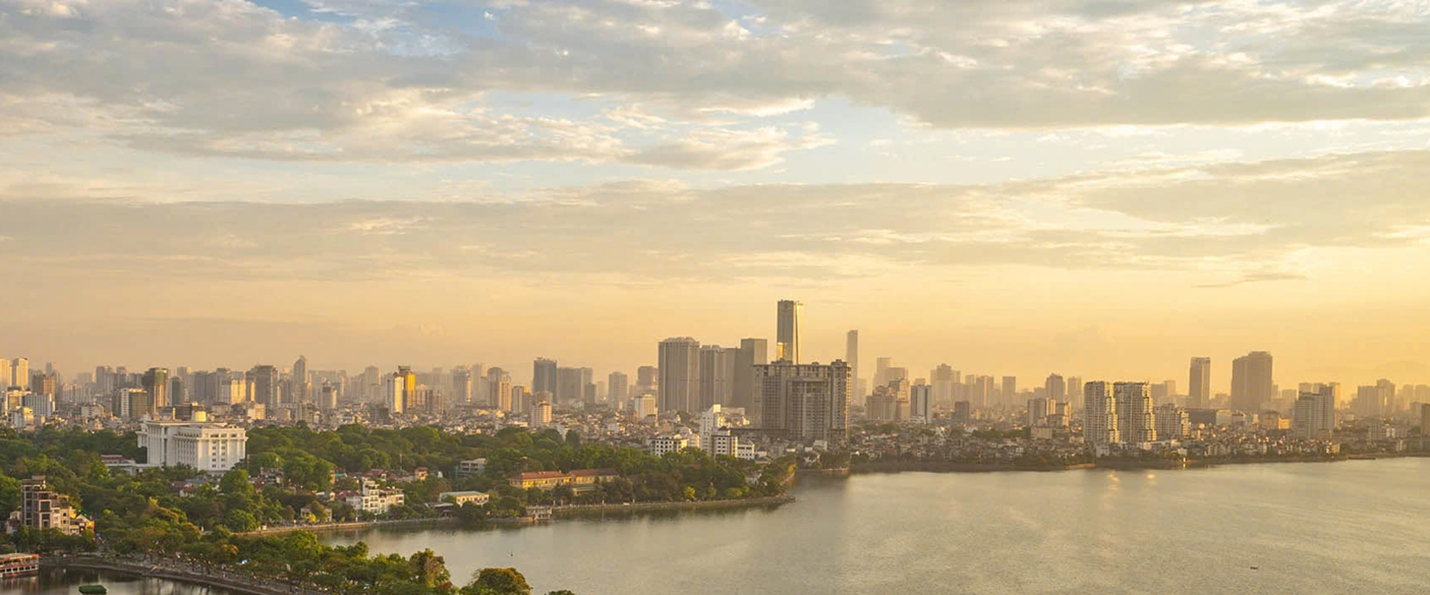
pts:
pixel 1313 416
pixel 753 352
pixel 1252 385
pixel 790 315
pixel 19 373
pixel 943 378
pixel 1199 383
pixel 461 386
pixel 679 374
pixel 805 402
pixel 265 385
pixel 717 376
pixel 920 399
pixel 1055 388
pixel 156 383
pixel 543 375
pixel 647 380
pixel 569 386
pixel 1099 408
pixel 498 388
pixel 851 355
pixel 1135 420
pixel 1010 388
pixel 617 387
pixel 301 388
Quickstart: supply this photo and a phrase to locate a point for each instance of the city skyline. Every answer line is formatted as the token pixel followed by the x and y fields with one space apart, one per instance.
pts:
pixel 1020 187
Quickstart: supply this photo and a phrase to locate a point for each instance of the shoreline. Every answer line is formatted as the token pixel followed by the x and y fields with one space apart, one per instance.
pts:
pixel 562 511
pixel 168 570
pixel 1116 465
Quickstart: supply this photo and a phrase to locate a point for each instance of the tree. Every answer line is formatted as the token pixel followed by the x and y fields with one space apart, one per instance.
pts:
pixel 497 581
pixel 240 521
pixel 429 569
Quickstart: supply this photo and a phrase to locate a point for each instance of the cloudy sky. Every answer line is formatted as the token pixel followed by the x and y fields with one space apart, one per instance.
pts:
pixel 1102 188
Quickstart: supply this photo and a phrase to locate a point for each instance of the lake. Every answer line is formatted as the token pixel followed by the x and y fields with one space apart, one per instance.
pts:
pixel 1357 526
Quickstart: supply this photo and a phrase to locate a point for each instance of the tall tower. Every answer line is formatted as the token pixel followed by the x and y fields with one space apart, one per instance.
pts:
pixel 156 382
pixel 753 352
pixel 1199 383
pixel 787 331
pixel 543 375
pixel 1135 421
pixel 1252 387
pixel 300 380
pixel 851 357
pixel 678 374
pixel 1099 414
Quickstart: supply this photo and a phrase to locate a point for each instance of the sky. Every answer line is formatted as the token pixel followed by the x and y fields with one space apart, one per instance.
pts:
pixel 1102 188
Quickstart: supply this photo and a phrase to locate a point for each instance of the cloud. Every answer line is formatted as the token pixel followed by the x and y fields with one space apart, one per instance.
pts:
pixel 1256 278
pixel 1252 221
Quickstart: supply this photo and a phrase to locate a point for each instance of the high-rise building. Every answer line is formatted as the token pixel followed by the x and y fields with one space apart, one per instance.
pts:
pixel 1199 383
pixel 569 386
pixel 881 370
pixel 717 376
pixel 1039 409
pixel 544 375
pixel 1055 387
pixel 302 390
pixel 1074 389
pixel 1010 388
pixel 942 379
pixel 1252 384
pixel 1171 421
pixel 753 352
pixel 647 380
pixel 790 314
pixel 617 387
pixel 1099 409
pixel 679 375
pixel 851 355
pixel 1374 400
pixel 1135 421
pixel 329 397
pixel 461 386
pixel 1313 415
pixel 805 402
pixel 962 412
pixel 156 382
pixel 19 373
pixel 265 385
pixel 498 384
pixel 920 403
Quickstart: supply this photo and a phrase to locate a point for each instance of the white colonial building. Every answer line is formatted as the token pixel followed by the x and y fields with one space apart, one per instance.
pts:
pixel 203 446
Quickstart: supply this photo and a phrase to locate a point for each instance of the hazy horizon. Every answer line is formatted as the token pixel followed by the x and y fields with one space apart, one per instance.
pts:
pixel 1102 189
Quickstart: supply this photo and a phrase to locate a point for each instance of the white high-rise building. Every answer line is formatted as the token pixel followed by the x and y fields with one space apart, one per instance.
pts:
pixel 203 446
pixel 1099 424
pixel 1135 421
pixel 679 375
pixel 790 316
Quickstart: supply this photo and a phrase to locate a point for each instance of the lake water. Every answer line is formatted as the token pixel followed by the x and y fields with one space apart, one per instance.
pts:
pixel 1358 526
pixel 67 583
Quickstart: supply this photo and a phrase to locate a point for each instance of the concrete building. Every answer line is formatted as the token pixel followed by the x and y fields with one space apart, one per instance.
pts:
pixel 790 315
pixel 617 387
pixel 1135 421
pixel 1099 409
pixel 717 375
pixel 42 508
pixel 1252 385
pixel 679 374
pixel 544 375
pixel 463 498
pixel 851 355
pixel 1171 422
pixel 753 352
pixel 805 402
pixel 660 445
pixel 1199 383
pixel 921 403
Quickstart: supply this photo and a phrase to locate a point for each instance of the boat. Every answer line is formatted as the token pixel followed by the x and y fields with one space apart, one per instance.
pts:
pixel 93 589
pixel 13 565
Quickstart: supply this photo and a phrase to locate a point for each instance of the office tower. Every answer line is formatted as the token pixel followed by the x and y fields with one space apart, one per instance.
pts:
pixel 717 376
pixel 1199 383
pixel 1313 416
pixel 647 380
pixel 329 397
pixel 498 384
pixel 1387 390
pixel 519 399
pixel 301 389
pixel 942 379
pixel 19 372
pixel 804 402
pixel 568 386
pixel 1074 389
pixel 1055 388
pixel 44 384
pixel 265 385
pixel 851 355
pixel 787 328
pixel 617 386
pixel 1252 385
pixel 544 376
pixel 679 374
pixel 753 352
pixel 156 382
pixel 962 412
pixel 881 370
pixel 1171 422
pixel 1135 422
pixel 588 386
pixel 461 386
pixel 177 393
pixel 1039 409
pixel 1099 409
pixel 1010 388
pixel 921 403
